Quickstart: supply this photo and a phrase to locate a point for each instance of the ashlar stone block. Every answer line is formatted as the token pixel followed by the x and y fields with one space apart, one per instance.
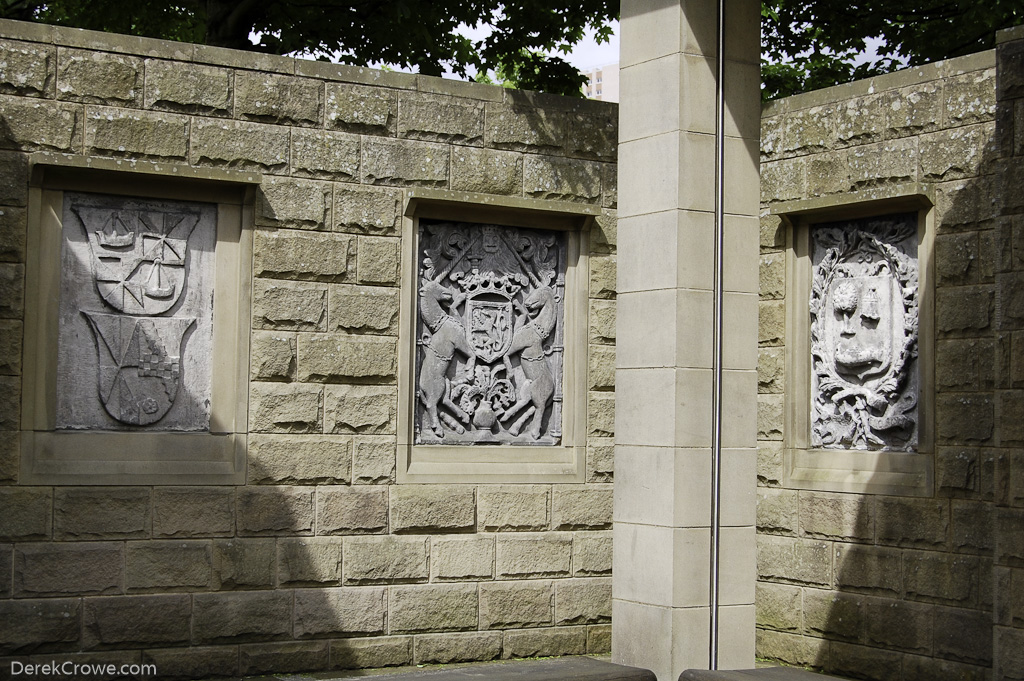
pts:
pixel 351 510
pixel 348 611
pixel 309 561
pixel 244 563
pixel 487 171
pixel 404 162
pixel 361 653
pixel 533 556
pixel 439 118
pixel 544 642
pixel 299 204
pixel 273 356
pixel 429 607
pixel 289 307
pixel 362 409
pixel 335 357
pixel 187 88
pixel 285 408
pixel 101 513
pixel 388 559
pixel 325 155
pixel 364 309
pixel 27 69
pixel 28 513
pixel 305 256
pixel 575 507
pixel 241 616
pixel 299 459
pixel 39 625
pixel 99 77
pixel 68 569
pixel 136 621
pixel 168 565
pixel 366 210
pixel 36 125
pixel 275 510
pixel 461 558
pixel 272 98
pixel 583 601
pixel 287 656
pixel 180 512
pixel 435 508
pixel 514 507
pixel 359 108
pixel 505 605
pixel 457 647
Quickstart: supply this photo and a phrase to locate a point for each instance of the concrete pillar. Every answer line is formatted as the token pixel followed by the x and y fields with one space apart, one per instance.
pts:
pixel 665 351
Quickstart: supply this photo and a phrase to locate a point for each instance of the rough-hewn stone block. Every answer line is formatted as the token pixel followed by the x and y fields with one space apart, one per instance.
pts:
pixel 193 511
pixel 12 233
pixel 168 565
pixel 601 372
pixel 778 511
pixel 287 306
pixel 348 510
pixel 914 110
pixel 771 323
pixel 963 635
pixel 359 108
pixel 364 309
pixel 957 470
pixel 487 171
pixel 366 210
pixel 532 556
pixel 39 625
pixel 430 607
pixel 888 162
pixel 440 118
pixel 964 417
pixel 836 516
pixel 241 616
pixel 97 77
pixel 964 364
pixel 956 257
pixel 275 510
pixel 101 513
pixel 963 204
pixel 799 651
pixel 936 577
pixel 136 621
pixel 309 561
pixel 373 462
pixel 193 662
pixel 234 144
pixel 461 558
pixel 388 559
pixel 772 276
pixel 583 601
pixel 38 125
pixel 272 356
pixel 545 642
pixel 778 606
pixel 593 136
pixel 10 402
pixel 874 663
pixel 325 155
pixel 435 508
pixel 868 569
pixel 921 667
pixel 514 507
pixel 600 460
pixel 600 414
pixel 26 69
pixel 591 554
pixel 333 357
pixel 970 98
pixel 305 256
pixel 28 513
pixel 794 561
pixel 771 370
pixel 971 526
pixel 581 507
pixel 524 129
pixel 955 154
pixel 457 647
pixel 602 322
pixel 377 260
pixel 68 569
pixel 188 88
pixel 285 408
pixel 809 130
pixel 271 98
pixel 244 563
pixel 506 605
pixel 922 523
pixel 404 162
pixel 769 463
pixel 116 132
pixel 561 179
pixel 1009 540
pixel 386 651
pixel 299 204
pixel 860 120
pixel 783 180
pixel 10 347
pixel 290 656
pixel 365 409
pixel 347 611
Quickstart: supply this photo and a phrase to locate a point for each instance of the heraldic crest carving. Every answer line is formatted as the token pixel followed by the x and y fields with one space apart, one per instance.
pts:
pixel 131 287
pixel 864 331
pixel 489 334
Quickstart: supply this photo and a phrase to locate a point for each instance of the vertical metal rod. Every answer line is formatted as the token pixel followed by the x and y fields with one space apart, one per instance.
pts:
pixel 716 394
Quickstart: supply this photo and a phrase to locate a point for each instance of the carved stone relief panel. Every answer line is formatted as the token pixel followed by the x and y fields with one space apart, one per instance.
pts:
pixel 864 334
pixel 136 314
pixel 489 334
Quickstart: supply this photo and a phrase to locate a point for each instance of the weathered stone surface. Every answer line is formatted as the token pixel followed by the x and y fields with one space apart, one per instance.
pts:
pixel 12 234
pixel 168 565
pixel 438 508
pixel 771 323
pixel 373 462
pixel 404 162
pixel 244 563
pixel 386 651
pixel 836 516
pixel 828 173
pixel 971 527
pixel 583 601
pixel 68 569
pixel 771 136
pixel 98 77
pixel 963 204
pixel 181 512
pixel 963 417
pixel 799 651
pixel 600 460
pixel 194 661
pixel 28 513
pixel 970 98
pixel 364 309
pixel 794 561
pixel 914 110
pixel 275 510
pixel 773 276
pixel 487 171
pixel 956 258
pixel 533 556
pixel 271 98
pixel 591 554
pixel 273 356
pixel 440 118
pixel 963 635
pixel 524 129
pixel 610 185
pixel 25 69
pixel 769 463
pixel 116 132
pixel 846 659
pixel 868 569
pixel 289 656
pixel 593 136
pixel 505 605
pixel 37 125
pixel 544 642
pixel 187 88
pixel 458 647
pixel 922 523
pixel 39 625
pixel 235 144
pixel 888 162
pixel 461 558
pixel 783 180
pixel 429 607
pixel 809 130
pixel 101 513
pixel 348 611
pixel 964 364
pixel 7 566
pixel 377 260
pixel 325 155
pixel 286 306
pixel 298 204
pixel 936 577
pixel 560 179
pixel 359 108
pixel 920 667
pixel 604 235
pixel 10 402
pixel 778 606
pixel 301 255
pixel 957 470
pixel 575 507
pixel 514 507
pixel 241 616
pixel 299 459
pixel 955 154
pixel 600 414
pixel 351 510
pixel 602 321
pixel 367 210
pixel 771 370
pixel 601 374
pixel 388 559
pixel 769 417
pixel 778 511
pixel 860 120
pixel 363 409
pixel 309 561
pixel 285 408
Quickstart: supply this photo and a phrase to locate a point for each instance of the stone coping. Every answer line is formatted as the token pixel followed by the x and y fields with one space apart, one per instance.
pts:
pixel 764 674
pixel 560 669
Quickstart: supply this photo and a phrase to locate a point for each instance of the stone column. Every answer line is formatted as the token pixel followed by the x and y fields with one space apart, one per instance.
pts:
pixel 665 352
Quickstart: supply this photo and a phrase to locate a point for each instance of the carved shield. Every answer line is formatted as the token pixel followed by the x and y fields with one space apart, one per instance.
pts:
pixel 138 256
pixel 489 326
pixel 866 324
pixel 139 364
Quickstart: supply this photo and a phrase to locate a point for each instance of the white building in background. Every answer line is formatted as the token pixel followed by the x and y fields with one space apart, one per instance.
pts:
pixel 602 83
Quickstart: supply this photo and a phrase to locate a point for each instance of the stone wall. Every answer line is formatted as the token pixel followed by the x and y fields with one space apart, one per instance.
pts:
pixel 886 586
pixel 320 560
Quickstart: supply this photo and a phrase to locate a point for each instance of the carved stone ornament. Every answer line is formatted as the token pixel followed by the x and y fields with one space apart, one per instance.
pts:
pixel 864 330
pixel 489 335
pixel 136 313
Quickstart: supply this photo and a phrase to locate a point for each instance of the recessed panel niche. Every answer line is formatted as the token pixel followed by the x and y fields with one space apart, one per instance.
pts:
pixel 490 329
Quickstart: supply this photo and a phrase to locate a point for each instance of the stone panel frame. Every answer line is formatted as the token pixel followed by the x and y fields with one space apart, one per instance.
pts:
pixel 565 462
pixel 855 471
pixel 216 457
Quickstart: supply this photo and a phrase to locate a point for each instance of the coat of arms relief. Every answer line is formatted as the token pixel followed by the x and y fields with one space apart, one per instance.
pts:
pixel 135 313
pixel 489 334
pixel 864 334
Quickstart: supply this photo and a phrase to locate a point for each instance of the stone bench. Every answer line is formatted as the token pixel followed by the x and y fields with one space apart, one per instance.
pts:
pixel 564 669
pixel 765 674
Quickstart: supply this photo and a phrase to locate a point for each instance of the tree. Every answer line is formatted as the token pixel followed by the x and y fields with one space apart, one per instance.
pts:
pixel 810 44
pixel 407 33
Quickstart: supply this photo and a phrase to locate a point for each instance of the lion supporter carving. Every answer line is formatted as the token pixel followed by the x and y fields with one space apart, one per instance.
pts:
pixel 489 334
pixel 864 333
pixel 136 314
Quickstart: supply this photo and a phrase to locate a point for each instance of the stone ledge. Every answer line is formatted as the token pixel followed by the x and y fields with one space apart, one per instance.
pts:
pixel 565 669
pixel 765 674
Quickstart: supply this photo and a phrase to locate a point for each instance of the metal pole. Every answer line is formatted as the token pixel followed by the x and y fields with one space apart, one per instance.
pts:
pixel 716 395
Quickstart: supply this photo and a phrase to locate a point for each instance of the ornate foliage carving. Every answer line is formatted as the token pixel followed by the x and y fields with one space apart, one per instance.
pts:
pixel 864 331
pixel 489 336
